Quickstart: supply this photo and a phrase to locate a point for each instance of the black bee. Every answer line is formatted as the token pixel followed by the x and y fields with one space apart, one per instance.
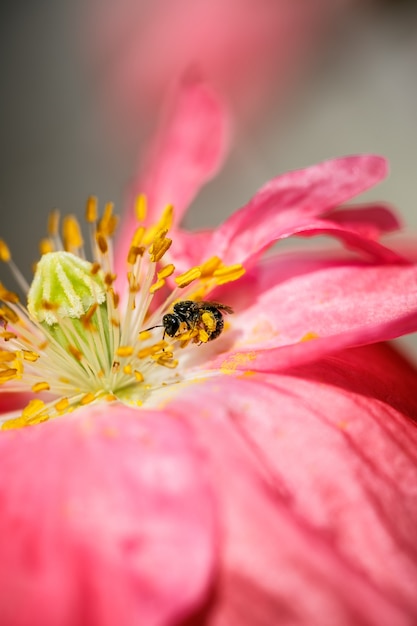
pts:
pixel 191 314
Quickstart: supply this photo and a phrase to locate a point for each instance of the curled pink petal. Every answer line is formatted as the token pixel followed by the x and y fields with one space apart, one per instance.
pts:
pixel 370 220
pixel 97 512
pixel 351 237
pixel 290 200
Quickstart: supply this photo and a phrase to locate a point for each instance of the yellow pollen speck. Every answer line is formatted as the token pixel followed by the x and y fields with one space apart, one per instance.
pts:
pixel 4 252
pixel 209 321
pixel 188 277
pixel 230 364
pixel 127 369
pixel 309 336
pixel 42 386
pixel 203 335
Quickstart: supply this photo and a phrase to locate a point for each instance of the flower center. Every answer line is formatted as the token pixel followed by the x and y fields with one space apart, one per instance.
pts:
pixel 78 342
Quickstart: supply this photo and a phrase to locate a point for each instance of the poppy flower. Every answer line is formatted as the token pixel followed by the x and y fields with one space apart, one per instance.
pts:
pixel 247 457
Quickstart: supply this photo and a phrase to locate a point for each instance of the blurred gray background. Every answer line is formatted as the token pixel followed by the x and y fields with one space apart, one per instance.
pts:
pixel 358 95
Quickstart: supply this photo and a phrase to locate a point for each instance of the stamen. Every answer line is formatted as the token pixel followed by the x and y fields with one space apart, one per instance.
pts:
pixel 71 234
pixel 76 341
pixel 188 277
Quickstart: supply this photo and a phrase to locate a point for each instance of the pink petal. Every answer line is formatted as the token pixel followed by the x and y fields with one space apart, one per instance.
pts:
pixel 370 220
pixel 13 401
pixel 106 518
pixel 312 512
pixel 351 237
pixel 187 152
pixel 337 303
pixel 291 200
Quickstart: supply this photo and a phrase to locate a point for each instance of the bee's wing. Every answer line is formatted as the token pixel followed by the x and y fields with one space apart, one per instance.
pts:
pixel 217 305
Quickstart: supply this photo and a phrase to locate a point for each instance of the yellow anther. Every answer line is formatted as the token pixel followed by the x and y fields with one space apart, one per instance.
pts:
pixel 127 370
pixel 17 422
pixel 71 233
pixel 102 243
pixel 141 207
pixel 8 374
pixel 150 350
pixel 7 336
pixel 8 315
pixel 38 387
pixel 87 399
pixel 166 360
pixel 108 222
pixel 110 397
pixel 91 210
pixel 166 219
pixel 6 356
pixel 228 273
pixel 53 223
pixel 4 252
pixel 109 279
pixel 8 296
pixel 156 286
pixel 46 245
pixel 124 351
pixel 138 236
pixel 30 356
pixel 77 354
pixel 33 408
pixel 87 317
pixel 95 268
pixel 188 277
pixel 144 334
pixel 210 266
pixel 160 245
pixel 62 405
pixel 139 376
pixel 134 252
pixel 166 271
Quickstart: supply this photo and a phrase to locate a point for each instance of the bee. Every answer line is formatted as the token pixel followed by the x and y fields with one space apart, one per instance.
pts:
pixel 192 315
